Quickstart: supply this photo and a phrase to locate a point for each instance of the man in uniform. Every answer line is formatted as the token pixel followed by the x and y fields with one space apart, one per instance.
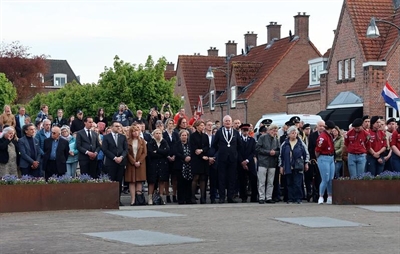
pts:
pixel 366 122
pixel 391 126
pixel 377 146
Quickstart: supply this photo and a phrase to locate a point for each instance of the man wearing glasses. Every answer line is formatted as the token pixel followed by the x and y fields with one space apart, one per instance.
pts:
pixel 56 151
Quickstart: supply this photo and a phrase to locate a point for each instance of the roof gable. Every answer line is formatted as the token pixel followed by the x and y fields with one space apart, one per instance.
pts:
pixel 60 66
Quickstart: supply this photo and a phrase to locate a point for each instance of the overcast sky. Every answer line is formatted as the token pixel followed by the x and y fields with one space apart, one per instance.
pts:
pixel 89 33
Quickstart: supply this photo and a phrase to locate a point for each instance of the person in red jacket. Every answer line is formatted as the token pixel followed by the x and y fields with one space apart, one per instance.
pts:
pixel 325 153
pixel 357 142
pixel 395 145
pixel 377 146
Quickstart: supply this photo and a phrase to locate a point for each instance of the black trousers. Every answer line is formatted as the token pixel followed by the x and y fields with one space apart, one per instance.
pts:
pixel 51 169
pixel 88 167
pixel 184 190
pixel 116 173
pixel 227 174
pixel 247 177
pixel 276 193
pixel 213 176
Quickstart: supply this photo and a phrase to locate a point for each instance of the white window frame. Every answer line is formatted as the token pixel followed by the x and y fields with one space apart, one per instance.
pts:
pixel 346 69
pixel 233 96
pixel 315 74
pixel 59 76
pixel 353 68
pixel 212 100
pixel 391 112
pixel 340 70
pixel 41 77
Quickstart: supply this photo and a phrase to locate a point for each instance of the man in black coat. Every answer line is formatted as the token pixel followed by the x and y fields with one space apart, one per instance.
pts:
pixel 227 143
pixel 56 151
pixel 60 120
pixel 88 145
pixel 115 149
pixel 247 168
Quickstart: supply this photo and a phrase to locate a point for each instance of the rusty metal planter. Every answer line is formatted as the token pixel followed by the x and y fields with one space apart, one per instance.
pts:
pixel 366 192
pixel 49 197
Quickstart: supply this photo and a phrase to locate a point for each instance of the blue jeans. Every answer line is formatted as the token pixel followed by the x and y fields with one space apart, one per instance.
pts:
pixel 71 169
pixel 293 182
pixel 395 160
pixel 338 168
pixel 356 164
pixel 373 166
pixel 326 166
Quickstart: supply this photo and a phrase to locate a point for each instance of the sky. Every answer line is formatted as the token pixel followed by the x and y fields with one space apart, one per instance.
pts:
pixel 90 33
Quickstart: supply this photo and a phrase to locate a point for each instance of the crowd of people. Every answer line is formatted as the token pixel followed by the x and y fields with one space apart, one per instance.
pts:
pixel 293 163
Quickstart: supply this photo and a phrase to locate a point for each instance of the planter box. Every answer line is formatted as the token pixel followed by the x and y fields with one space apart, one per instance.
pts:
pixel 50 197
pixel 366 192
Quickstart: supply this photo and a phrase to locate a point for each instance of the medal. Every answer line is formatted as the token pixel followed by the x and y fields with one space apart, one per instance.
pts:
pixel 226 138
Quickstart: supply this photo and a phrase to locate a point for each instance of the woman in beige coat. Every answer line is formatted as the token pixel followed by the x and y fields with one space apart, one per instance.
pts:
pixel 135 173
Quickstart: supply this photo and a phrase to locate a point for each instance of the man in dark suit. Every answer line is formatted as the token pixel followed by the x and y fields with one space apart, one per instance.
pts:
pixel 115 148
pixel 227 143
pixel 20 121
pixel 56 151
pixel 88 145
pixel 30 152
pixel 60 120
pixel 247 167
pixel 212 155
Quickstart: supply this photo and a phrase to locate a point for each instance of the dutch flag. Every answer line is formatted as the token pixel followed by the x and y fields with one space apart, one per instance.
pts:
pixel 390 96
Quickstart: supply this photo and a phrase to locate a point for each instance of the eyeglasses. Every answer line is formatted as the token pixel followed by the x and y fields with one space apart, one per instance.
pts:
pixel 54 132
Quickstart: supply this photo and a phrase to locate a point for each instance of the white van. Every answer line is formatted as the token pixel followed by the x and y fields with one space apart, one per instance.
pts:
pixel 281 118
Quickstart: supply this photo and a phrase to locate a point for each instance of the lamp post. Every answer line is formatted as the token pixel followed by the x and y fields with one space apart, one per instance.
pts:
pixel 373 31
pixel 210 76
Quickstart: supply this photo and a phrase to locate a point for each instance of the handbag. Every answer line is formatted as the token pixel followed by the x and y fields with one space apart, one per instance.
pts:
pixel 140 199
pixel 299 164
pixel 157 199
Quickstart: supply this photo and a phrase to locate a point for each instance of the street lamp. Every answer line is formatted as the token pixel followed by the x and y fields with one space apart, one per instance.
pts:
pixel 210 75
pixel 373 31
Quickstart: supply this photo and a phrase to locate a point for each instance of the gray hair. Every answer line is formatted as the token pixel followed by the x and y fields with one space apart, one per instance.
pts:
pixel 159 123
pixel 273 127
pixel 7 130
pixel 46 120
pixel 65 127
pixel 291 129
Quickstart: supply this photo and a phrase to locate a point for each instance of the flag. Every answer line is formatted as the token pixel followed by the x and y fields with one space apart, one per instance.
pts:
pixel 390 96
pixel 199 110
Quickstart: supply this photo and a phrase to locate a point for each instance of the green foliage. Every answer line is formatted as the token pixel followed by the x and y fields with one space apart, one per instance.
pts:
pixel 8 93
pixel 139 87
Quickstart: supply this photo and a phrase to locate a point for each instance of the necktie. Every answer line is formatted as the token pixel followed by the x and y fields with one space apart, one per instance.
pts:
pixel 89 136
pixel 116 139
pixel 229 134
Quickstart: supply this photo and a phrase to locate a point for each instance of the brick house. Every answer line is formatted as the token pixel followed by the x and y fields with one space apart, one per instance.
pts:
pixel 261 75
pixel 358 67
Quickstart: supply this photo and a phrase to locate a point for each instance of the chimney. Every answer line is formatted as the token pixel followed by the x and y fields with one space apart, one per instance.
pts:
pixel 231 48
pixel 170 66
pixel 301 26
pixel 250 40
pixel 213 51
pixel 274 31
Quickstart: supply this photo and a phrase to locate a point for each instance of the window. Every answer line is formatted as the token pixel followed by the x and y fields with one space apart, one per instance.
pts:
pixel 40 77
pixel 391 112
pixel 340 70
pixel 233 96
pixel 346 69
pixel 353 68
pixel 60 79
pixel 212 100
pixel 315 70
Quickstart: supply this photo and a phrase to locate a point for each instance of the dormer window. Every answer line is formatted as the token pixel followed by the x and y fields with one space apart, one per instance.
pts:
pixel 212 100
pixel 60 79
pixel 316 66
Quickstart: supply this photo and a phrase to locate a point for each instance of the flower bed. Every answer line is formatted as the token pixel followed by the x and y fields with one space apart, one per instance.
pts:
pixel 59 193
pixel 367 190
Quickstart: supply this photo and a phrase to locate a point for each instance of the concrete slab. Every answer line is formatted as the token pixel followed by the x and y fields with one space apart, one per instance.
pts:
pixel 320 222
pixel 144 214
pixel 382 208
pixel 144 237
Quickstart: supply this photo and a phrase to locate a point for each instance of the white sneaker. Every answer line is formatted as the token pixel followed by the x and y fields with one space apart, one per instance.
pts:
pixel 329 201
pixel 320 200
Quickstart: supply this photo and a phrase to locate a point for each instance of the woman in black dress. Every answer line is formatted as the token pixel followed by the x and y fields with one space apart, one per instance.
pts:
pixel 172 138
pixel 199 146
pixel 183 168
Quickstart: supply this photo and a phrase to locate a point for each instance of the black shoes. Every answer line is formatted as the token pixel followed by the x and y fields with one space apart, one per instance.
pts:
pixel 270 201
pixel 168 199
pixel 174 199
pixel 231 200
pixel 261 202
pixel 221 201
pixel 213 201
pixel 120 203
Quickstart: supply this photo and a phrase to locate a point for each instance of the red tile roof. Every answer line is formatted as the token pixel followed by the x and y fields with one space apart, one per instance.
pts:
pixel 194 69
pixel 168 75
pixel 361 12
pixel 302 85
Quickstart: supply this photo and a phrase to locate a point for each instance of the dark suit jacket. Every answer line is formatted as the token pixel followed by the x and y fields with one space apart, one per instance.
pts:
pixel 18 127
pixel 147 137
pixel 312 143
pixel 171 143
pixel 25 152
pixel 62 153
pixel 199 141
pixel 111 150
pixel 226 153
pixel 179 157
pixel 60 123
pixel 83 144
pixel 248 152
pixel 4 156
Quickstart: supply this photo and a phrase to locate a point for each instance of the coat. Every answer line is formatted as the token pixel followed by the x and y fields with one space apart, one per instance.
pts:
pixel 299 151
pixel 25 152
pixel 248 152
pixel 4 157
pixel 132 172
pixel 62 153
pixel 157 156
pixel 199 141
pixel 264 145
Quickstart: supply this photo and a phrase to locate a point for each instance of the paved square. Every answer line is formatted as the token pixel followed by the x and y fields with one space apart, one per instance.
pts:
pixel 382 208
pixel 320 222
pixel 144 214
pixel 144 237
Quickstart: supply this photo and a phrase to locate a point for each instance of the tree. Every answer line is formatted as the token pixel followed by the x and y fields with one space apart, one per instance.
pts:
pixel 24 70
pixel 8 93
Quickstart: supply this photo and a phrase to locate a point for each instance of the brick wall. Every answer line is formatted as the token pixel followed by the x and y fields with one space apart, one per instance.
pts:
pixel 307 104
pixel 181 90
